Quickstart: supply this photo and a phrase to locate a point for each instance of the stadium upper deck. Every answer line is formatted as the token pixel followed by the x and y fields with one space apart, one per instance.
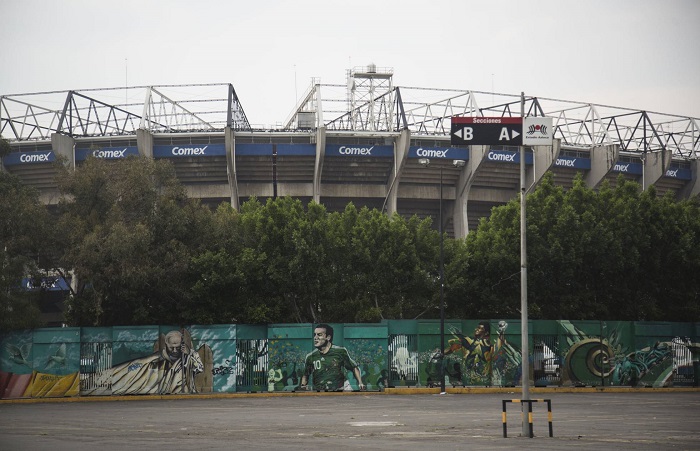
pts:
pixel 361 141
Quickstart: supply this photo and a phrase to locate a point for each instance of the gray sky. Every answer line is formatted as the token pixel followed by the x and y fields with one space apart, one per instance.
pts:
pixel 640 54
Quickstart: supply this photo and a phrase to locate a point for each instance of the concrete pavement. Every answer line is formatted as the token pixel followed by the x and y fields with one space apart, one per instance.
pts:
pixel 647 419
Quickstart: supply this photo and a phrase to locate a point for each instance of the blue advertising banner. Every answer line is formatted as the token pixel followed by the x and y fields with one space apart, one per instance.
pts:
pixel 504 156
pixel 189 150
pixel 452 153
pixel 296 149
pixel 46 283
pixel 573 162
pixel 253 149
pixel 628 168
pixel 108 153
pixel 359 150
pixel 15 158
pixel 679 173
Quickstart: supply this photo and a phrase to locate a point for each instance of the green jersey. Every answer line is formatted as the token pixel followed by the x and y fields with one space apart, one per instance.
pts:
pixel 328 370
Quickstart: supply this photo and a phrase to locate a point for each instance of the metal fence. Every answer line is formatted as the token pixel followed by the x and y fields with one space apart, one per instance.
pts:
pixel 96 368
pixel 403 360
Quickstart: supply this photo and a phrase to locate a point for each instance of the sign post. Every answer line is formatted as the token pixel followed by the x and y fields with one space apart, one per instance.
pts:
pixel 511 131
pixel 524 338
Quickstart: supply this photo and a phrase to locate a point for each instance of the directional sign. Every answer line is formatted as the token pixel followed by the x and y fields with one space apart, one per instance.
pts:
pixel 487 131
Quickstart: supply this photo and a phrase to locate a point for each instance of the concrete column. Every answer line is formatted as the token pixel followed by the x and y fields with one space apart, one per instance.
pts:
pixel 230 143
pixel 318 166
pixel 543 159
pixel 693 186
pixel 401 145
pixel 144 142
pixel 64 146
pixel 655 165
pixel 603 159
pixel 477 155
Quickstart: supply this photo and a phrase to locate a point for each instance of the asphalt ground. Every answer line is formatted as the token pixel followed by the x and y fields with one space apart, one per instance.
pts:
pixel 638 420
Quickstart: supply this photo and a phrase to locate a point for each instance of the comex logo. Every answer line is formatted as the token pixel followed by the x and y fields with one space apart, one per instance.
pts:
pixel 672 173
pixel 189 151
pixel 493 156
pixel 431 153
pixel 355 150
pixel 539 128
pixel 34 158
pixel 621 167
pixel 109 153
pixel 566 162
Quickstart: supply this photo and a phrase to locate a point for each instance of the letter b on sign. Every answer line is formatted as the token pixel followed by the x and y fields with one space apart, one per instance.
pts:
pixel 468 134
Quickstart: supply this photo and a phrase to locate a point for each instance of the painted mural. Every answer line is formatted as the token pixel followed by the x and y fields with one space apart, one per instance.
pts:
pixel 483 360
pixel 287 359
pixel 39 364
pixel 172 367
pixel 370 357
pixel 231 358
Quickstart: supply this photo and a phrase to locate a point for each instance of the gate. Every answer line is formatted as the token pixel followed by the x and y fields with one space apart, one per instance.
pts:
pixel 546 363
pixel 96 368
pixel 403 360
pixel 251 365
pixel 683 373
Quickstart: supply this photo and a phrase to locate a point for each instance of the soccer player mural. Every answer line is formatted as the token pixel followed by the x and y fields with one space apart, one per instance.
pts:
pixel 327 364
pixel 479 359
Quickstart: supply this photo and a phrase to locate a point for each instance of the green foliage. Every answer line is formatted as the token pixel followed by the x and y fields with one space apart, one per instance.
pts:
pixel 5 148
pixel 24 236
pixel 615 253
pixel 130 232
pixel 143 253
pixel 296 263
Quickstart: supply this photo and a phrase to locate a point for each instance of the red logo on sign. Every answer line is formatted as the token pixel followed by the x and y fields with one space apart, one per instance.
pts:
pixel 541 129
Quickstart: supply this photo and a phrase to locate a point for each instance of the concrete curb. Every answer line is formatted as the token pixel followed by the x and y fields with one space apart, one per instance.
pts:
pixel 491 390
pixel 388 391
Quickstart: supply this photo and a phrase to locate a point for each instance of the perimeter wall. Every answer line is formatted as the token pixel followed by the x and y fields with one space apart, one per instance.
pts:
pixel 89 361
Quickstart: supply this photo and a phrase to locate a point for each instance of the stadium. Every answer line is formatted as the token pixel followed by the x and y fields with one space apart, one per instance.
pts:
pixel 364 141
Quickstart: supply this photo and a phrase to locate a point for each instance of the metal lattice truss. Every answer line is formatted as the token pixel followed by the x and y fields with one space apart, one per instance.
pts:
pixel 121 111
pixel 427 112
pixel 367 103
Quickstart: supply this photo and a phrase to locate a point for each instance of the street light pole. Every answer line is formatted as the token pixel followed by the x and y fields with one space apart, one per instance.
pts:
pixel 442 295
pixel 425 162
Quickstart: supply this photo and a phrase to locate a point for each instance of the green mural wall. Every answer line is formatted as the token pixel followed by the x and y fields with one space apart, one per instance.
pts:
pixel 228 358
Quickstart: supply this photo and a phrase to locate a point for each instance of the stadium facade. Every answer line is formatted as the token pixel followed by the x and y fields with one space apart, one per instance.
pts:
pixel 364 141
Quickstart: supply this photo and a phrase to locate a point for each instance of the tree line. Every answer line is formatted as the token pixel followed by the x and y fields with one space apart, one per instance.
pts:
pixel 142 252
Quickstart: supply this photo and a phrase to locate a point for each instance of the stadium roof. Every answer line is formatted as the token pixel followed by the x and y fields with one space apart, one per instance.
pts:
pixel 384 108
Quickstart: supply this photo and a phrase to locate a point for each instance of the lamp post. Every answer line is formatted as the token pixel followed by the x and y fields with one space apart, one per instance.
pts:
pixel 425 162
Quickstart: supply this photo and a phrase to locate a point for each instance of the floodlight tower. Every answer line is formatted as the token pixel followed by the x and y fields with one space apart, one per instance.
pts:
pixel 370 100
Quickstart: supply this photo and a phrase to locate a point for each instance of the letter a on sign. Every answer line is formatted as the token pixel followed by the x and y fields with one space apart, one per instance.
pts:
pixel 504 134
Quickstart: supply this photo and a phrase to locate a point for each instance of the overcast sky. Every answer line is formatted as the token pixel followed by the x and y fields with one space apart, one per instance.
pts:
pixel 641 54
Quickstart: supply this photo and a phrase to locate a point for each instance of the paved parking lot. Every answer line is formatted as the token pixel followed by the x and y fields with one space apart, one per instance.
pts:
pixel 639 421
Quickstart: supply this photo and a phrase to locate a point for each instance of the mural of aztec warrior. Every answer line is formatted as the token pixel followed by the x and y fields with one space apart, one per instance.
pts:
pixel 172 368
pixel 479 359
pixel 326 364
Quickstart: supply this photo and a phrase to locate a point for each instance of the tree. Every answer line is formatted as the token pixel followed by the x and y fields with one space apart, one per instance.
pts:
pixel 130 234
pixel 5 148
pixel 24 236
pixel 615 253
pixel 287 262
pixel 392 272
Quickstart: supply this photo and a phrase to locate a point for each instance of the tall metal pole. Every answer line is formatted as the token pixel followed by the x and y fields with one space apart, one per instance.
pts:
pixel 442 296
pixel 523 284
